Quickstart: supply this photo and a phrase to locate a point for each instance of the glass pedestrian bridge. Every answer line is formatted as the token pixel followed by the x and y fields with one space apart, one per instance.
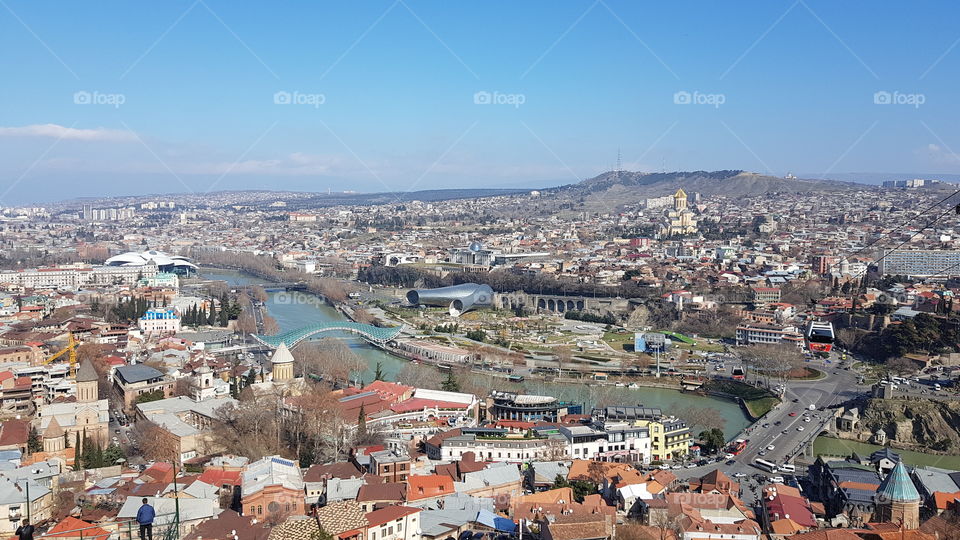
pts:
pixel 374 334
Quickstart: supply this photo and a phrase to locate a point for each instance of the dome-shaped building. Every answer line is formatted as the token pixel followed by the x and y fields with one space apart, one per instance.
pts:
pixel 165 263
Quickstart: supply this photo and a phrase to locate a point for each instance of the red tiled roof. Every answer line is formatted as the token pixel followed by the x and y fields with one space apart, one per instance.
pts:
pixel 14 432
pixel 70 527
pixel 417 404
pixel 219 477
pixel 427 486
pixel 388 514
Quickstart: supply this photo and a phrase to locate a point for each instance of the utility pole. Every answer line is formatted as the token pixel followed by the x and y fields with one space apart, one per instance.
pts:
pixel 28 499
pixel 176 504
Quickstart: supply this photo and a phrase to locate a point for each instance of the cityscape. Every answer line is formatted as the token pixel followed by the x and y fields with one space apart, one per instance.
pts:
pixel 373 323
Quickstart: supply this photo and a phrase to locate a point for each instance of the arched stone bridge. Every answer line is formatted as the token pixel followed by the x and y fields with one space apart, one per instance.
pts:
pixel 292 338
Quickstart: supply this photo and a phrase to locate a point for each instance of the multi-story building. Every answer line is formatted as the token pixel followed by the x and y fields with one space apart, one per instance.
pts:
pixel 393 466
pixel 160 321
pixel 768 334
pixel 524 407
pixel 764 295
pixel 921 262
pixel 394 523
pixel 130 382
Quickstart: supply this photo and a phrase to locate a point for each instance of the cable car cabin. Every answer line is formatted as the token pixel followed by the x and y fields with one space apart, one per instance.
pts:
pixel 820 336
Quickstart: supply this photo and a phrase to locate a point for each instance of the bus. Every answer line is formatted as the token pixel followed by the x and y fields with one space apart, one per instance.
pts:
pixel 819 336
pixel 737 446
pixel 738 374
pixel 765 465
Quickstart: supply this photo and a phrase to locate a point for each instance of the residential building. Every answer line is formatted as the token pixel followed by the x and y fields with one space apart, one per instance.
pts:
pixel 272 485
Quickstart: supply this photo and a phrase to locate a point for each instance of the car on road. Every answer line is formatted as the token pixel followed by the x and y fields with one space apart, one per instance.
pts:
pixel 740 475
pixel 777 423
pixel 796 400
pixel 771 448
pixel 807 419
pixel 664 467
pixel 729 456
pixel 784 432
pixel 691 465
pixel 766 424
pixel 792 414
pixel 115 439
pixel 677 467
pixel 799 428
pixel 730 462
pixel 777 479
pixel 117 431
pixel 762 453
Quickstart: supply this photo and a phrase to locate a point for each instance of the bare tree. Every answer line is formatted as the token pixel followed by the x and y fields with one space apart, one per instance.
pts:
pixel 363 316
pixel 702 417
pixel 154 442
pixel 564 356
pixel 251 427
pixel 420 376
pixel 186 387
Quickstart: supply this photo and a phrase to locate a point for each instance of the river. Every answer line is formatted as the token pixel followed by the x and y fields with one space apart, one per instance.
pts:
pixel 294 310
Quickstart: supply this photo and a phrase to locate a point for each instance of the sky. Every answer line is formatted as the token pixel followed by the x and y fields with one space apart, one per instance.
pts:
pixel 116 98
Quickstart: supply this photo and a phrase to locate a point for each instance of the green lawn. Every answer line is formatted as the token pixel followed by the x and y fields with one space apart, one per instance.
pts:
pixel 828 446
pixel 760 407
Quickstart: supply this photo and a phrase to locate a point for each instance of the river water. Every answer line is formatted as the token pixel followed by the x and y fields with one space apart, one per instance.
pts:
pixel 294 310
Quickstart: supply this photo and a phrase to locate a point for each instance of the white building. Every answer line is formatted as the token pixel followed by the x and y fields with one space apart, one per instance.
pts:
pixel 160 321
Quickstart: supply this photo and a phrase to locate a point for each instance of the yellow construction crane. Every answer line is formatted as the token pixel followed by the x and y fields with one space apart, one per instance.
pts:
pixel 70 350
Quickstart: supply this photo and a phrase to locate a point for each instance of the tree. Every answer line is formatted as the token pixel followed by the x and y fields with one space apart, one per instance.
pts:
pixel 476 335
pixel 34 443
pixel 77 465
pixel 450 384
pixel 147 397
pixel 702 417
pixel 378 374
pixel 564 356
pixel 419 376
pixel 901 366
pixel 186 387
pixel 362 422
pixel 321 534
pixel 155 443
pixel 712 439
pixel 113 454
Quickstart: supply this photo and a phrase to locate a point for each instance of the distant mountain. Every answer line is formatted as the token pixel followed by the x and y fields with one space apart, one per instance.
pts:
pixel 627 187
pixel 880 177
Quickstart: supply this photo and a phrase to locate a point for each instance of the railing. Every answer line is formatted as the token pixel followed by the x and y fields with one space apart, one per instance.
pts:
pixel 165 527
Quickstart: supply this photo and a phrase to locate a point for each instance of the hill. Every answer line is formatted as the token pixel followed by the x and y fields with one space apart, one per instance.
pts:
pixel 915 424
pixel 625 187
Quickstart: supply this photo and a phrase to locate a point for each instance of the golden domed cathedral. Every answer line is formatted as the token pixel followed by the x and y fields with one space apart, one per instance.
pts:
pixel 680 220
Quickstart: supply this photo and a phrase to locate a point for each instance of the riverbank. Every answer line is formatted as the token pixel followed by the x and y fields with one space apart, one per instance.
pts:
pixel 294 311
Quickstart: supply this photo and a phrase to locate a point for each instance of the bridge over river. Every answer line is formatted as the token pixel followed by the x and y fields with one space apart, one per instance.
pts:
pixel 291 338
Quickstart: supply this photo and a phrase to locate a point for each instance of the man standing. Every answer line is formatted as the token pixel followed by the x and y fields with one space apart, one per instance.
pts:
pixel 25 531
pixel 145 518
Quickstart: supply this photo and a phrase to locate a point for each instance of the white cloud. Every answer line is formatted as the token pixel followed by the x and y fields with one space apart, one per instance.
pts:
pixel 56 131
pixel 938 154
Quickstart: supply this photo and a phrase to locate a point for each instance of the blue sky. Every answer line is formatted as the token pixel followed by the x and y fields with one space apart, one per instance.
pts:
pixel 110 98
